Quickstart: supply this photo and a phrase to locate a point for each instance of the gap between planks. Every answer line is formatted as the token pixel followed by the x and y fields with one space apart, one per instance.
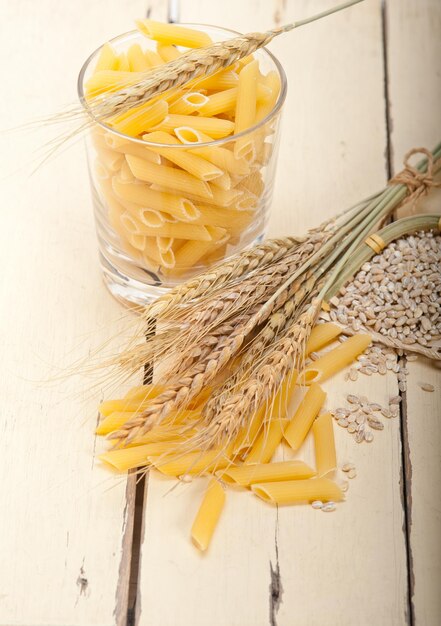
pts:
pixel 406 467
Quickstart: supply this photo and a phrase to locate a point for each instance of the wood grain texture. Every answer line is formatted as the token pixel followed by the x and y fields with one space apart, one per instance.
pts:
pixel 63 517
pixel 297 565
pixel 414 59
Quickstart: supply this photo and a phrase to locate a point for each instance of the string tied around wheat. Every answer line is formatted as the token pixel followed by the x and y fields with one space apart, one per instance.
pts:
pixel 418 183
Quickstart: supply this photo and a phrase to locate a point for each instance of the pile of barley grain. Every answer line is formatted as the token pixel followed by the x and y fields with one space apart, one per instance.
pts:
pixel 397 294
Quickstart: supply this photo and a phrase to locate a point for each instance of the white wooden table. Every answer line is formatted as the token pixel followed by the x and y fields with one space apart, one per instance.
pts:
pixel 364 87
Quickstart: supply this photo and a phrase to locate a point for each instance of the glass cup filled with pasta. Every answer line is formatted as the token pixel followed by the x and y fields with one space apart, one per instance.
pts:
pixel 184 180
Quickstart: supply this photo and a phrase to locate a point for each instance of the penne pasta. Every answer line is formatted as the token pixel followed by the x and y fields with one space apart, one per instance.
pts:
pixel 167 52
pixel 141 118
pixel 136 58
pixel 208 515
pixel 321 335
pixel 176 230
pixel 171 34
pixel 223 79
pixel 125 173
pixel 324 444
pixel 168 177
pixel 122 64
pixel 114 421
pixel 191 463
pixel 189 103
pixel 264 108
pixel 336 359
pixel 193 251
pixel 297 429
pixel 122 146
pixel 298 491
pixel 200 168
pixel 107 59
pixel 110 80
pixel 153 59
pixel 246 475
pixel 223 101
pixel 221 157
pixel 137 456
pixel 165 258
pixel 213 126
pixel 245 113
pixel 126 404
pixel 235 221
pixel 164 243
pixel 266 443
pixel 157 200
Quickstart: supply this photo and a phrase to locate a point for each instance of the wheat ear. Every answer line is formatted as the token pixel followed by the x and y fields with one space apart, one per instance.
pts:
pixel 191 65
pixel 266 379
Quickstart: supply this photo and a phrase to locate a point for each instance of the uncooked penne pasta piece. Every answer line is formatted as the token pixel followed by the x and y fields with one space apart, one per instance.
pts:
pixel 246 475
pixel 246 436
pixel 297 491
pixel 107 59
pixel 123 63
pixel 271 409
pixel 110 159
pixel 266 443
pixel 235 221
pixel 164 243
pixel 245 113
pixel 196 165
pixel 171 34
pixel 223 101
pixel 223 79
pixel 223 182
pixel 208 515
pixel 324 444
pixel 132 228
pixel 125 173
pixel 121 145
pixel 336 359
pixel 191 463
pixel 153 59
pixel 264 107
pixel 174 435
pixel 138 456
pixel 213 126
pixel 148 217
pixel 125 404
pixel 137 240
pixel 296 431
pixel 167 52
pixel 176 230
pixel 222 157
pixel 253 183
pixel 140 118
pixel 168 177
pixel 165 258
pixel 149 198
pixel 189 103
pixel 136 58
pixel 114 421
pixel 193 251
pixel 321 335
pixel 101 171
pixel 110 80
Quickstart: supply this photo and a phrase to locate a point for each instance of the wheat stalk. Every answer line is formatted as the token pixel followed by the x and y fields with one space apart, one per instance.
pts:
pixel 191 65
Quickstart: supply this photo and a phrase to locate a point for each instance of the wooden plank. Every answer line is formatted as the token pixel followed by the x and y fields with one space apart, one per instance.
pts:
pixel 266 565
pixel 414 58
pixel 66 525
